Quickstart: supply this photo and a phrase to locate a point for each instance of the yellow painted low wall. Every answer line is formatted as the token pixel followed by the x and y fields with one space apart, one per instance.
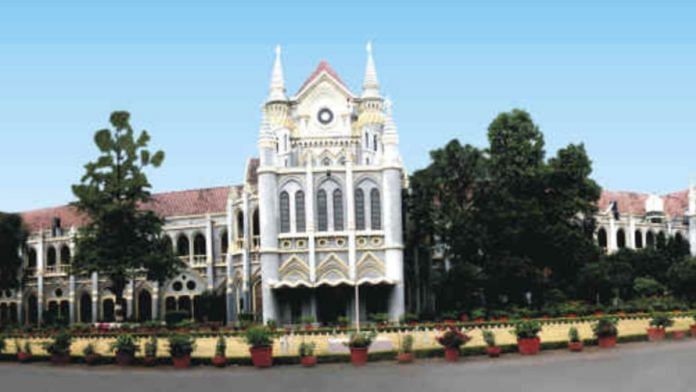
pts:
pixel 424 339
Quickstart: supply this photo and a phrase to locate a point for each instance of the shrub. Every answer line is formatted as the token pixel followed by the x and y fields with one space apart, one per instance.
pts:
pixel 647 287
pixel 18 346
pixel 174 317
pixel 125 344
pixel 220 346
pixel 151 347
pixel 527 329
pixel 605 327
pixel 489 338
pixel 343 321
pixel 89 349
pixel 406 344
pixel 361 339
pixel 258 336
pixel 661 320
pixel 271 324
pixel 379 318
pixel 27 347
pixel 450 315
pixel 2 343
pixel 181 345
pixel 307 349
pixel 453 338
pixel 307 320
pixel 573 335
pixel 60 344
pixel 409 318
pixel 478 313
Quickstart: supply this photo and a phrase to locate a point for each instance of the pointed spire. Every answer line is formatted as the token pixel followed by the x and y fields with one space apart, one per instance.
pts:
pixel 370 82
pixel 277 90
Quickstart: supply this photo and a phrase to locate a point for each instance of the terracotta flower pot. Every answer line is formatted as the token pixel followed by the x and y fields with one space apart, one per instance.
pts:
pixel 92 359
pixel 575 347
pixel 219 361
pixel 60 359
pixel 607 342
pixel 308 361
pixel 678 335
pixel 150 361
pixel 124 358
pixel 404 357
pixel 23 357
pixel 529 346
pixel 493 351
pixel 451 354
pixel 693 330
pixel 656 334
pixel 262 357
pixel 182 362
pixel 358 356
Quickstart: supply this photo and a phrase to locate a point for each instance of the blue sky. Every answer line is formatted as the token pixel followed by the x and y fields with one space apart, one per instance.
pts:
pixel 617 75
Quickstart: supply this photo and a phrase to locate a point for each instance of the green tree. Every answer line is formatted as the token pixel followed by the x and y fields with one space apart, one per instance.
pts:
pixel 13 236
pixel 122 238
pixel 682 278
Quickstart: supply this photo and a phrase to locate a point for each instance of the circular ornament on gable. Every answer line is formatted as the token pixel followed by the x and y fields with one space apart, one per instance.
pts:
pixel 325 116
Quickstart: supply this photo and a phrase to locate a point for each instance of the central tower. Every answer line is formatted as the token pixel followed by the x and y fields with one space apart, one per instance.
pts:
pixel 330 182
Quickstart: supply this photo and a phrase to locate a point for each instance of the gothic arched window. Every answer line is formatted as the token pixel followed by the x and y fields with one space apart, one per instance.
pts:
pixel 322 213
pixel 359 209
pixel 65 255
pixel 375 210
pixel 621 238
pixel 602 238
pixel 300 225
pixel 51 256
pixel 284 212
pixel 338 209
pixel 639 239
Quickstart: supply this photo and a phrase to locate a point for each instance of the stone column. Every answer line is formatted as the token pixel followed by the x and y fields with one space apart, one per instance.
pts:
pixel 309 222
pixel 40 279
pixel 231 311
pixel 209 251
pixel 95 297
pixel 393 239
pixel 130 293
pixel 155 301
pixel 246 257
pixel 611 235
pixel 268 216
pixel 71 298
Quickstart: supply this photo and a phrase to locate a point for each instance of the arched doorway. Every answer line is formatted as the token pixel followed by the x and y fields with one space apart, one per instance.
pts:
pixel 32 313
pixel 85 308
pixel 108 310
pixel 14 314
pixel 602 238
pixel 144 306
pixel 185 305
pixel 4 314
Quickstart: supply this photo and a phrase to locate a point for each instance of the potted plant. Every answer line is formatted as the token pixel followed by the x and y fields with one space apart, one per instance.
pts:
pixel 527 332
pixel 180 348
pixel 479 315
pixel 59 348
pixel 150 358
pixel 308 322
pixel 125 348
pixel 24 354
pixel 678 335
pixel 220 359
pixel 492 350
pixel 574 343
pixel 658 324
pixel 90 354
pixel 307 357
pixel 380 319
pixel 693 327
pixel 452 340
pixel 405 350
pixel 359 344
pixel 450 317
pixel 260 341
pixel 605 330
pixel 343 322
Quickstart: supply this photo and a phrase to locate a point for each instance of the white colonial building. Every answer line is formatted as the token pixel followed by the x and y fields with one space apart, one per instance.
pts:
pixel 319 212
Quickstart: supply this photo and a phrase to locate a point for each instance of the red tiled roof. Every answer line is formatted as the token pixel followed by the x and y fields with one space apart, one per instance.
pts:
pixel 322 67
pixel 676 203
pixel 179 203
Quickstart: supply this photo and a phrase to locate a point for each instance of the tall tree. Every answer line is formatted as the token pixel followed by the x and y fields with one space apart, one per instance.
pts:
pixel 122 237
pixel 13 237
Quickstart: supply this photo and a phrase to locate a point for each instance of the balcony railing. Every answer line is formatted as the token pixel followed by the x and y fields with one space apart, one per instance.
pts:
pixel 199 260
pixel 58 269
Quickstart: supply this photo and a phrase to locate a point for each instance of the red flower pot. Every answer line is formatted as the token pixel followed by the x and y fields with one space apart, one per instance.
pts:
pixel 150 361
pixel 404 357
pixel 262 357
pixel 309 361
pixel 529 346
pixel 493 351
pixel 60 359
pixel 693 330
pixel 575 347
pixel 124 359
pixel 571 315
pixel 607 342
pixel 358 356
pixel 479 320
pixel 219 361
pixel 655 334
pixel 23 357
pixel 182 362
pixel 451 354
pixel 464 318
pixel 450 322
pixel 678 335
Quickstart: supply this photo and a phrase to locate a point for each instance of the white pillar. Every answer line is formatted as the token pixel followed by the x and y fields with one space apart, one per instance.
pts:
pixel 209 250
pixel 611 236
pixel 130 293
pixel 71 298
pixel 393 240
pixel 309 221
pixel 40 279
pixel 155 300
pixel 229 270
pixel 95 297
pixel 246 262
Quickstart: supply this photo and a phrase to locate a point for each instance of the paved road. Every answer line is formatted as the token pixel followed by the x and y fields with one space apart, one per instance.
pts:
pixel 663 367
